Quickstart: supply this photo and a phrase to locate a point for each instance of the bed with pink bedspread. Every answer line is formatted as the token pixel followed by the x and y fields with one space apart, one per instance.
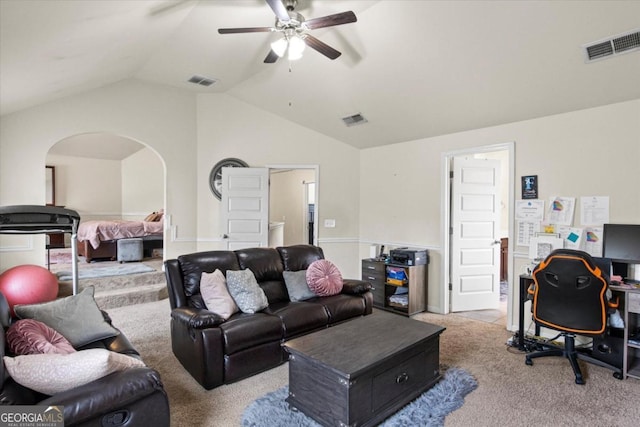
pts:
pixel 98 239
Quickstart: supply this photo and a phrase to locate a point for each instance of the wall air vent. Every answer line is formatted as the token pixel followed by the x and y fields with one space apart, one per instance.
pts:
pixel 355 119
pixel 202 81
pixel 612 46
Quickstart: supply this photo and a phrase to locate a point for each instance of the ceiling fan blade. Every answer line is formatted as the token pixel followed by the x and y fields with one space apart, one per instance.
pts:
pixel 271 57
pixel 278 8
pixel 244 30
pixel 331 20
pixel 321 47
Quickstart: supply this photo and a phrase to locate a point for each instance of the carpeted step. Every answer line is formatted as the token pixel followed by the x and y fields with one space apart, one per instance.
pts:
pixel 121 282
pixel 121 297
pixel 113 282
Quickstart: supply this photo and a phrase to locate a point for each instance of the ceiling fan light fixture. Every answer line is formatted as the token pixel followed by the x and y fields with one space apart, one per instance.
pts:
pixel 279 47
pixel 296 47
pixel 293 26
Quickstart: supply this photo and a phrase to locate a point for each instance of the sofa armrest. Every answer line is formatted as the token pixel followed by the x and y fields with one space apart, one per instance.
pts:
pixel 355 287
pixel 107 394
pixel 197 318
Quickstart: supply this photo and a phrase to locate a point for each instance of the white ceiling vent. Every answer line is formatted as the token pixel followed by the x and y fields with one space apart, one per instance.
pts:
pixel 356 119
pixel 202 81
pixel 612 46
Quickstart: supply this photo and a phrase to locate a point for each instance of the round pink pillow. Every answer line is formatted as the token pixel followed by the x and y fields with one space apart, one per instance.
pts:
pixel 324 278
pixel 29 336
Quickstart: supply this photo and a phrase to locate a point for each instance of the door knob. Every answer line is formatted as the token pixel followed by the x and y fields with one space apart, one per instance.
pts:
pixel 224 236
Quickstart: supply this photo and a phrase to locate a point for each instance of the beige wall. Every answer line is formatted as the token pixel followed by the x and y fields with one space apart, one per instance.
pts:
pixel 160 117
pixel 130 188
pixel 142 184
pixel 588 152
pixel 228 127
pixel 89 186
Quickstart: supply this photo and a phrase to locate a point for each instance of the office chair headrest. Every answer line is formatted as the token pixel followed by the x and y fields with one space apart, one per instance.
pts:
pixel 581 255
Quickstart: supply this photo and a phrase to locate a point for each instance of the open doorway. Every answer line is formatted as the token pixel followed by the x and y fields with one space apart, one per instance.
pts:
pixel 505 154
pixel 110 179
pixel 293 205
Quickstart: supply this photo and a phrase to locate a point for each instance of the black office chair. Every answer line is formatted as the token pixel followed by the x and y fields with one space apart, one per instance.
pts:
pixel 570 296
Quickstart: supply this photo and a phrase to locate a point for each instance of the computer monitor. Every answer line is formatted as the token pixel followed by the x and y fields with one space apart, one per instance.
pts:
pixel 604 264
pixel 621 243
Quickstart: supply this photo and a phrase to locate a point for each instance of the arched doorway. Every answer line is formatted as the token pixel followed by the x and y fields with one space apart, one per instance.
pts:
pixel 107 177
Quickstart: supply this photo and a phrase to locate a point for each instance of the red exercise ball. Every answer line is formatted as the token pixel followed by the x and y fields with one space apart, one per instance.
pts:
pixel 28 284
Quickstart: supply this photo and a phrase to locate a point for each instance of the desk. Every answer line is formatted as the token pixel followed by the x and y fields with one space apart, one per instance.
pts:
pixel 630 310
pixel 525 281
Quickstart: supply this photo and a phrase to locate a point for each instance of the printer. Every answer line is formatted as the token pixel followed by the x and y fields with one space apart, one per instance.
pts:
pixel 408 256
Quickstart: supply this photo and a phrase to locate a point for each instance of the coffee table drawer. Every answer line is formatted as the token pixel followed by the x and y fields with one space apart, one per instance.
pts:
pixel 399 380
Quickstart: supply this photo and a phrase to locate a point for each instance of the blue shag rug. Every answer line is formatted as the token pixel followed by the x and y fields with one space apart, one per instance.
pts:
pixel 427 410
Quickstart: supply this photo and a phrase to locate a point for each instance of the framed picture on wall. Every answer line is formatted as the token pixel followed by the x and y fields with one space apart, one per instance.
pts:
pixel 530 187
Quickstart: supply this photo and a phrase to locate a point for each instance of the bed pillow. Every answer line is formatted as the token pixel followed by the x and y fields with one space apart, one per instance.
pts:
pixel 54 373
pixel 324 278
pixel 296 283
pixel 76 317
pixel 153 217
pixel 245 291
pixel 29 336
pixel 216 297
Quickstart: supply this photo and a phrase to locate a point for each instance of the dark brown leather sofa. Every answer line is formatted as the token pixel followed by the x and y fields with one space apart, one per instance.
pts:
pixel 134 397
pixel 215 351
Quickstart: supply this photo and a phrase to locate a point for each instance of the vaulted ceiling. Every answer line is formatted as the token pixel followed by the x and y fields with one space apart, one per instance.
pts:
pixel 414 69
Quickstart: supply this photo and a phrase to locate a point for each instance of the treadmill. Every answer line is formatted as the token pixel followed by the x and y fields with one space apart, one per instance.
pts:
pixel 38 219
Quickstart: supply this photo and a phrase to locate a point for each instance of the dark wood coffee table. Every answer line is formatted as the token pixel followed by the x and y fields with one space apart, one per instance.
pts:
pixel 362 371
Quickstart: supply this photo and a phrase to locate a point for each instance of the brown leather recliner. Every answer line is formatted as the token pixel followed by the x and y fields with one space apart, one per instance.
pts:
pixel 133 397
pixel 215 351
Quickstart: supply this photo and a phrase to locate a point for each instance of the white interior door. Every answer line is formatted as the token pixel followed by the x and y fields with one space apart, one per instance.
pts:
pixel 244 207
pixel 475 224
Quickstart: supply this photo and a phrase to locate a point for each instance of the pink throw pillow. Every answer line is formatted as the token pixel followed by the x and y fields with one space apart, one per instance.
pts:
pixel 324 278
pixel 216 297
pixel 29 336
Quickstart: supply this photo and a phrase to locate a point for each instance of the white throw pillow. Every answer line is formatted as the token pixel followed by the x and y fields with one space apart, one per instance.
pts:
pixel 213 287
pixel 54 373
pixel 245 291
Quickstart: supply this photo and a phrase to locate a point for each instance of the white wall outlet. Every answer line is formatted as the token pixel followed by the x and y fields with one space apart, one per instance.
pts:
pixel 329 223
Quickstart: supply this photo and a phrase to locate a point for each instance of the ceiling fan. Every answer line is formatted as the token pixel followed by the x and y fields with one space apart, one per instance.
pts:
pixel 294 28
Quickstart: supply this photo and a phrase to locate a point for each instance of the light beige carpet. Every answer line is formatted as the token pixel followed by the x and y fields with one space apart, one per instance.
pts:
pixel 509 393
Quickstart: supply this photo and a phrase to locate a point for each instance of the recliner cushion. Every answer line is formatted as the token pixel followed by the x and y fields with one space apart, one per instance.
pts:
pixel 299 317
pixel 264 262
pixel 193 265
pixel 341 307
pixel 244 331
pixel 299 257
